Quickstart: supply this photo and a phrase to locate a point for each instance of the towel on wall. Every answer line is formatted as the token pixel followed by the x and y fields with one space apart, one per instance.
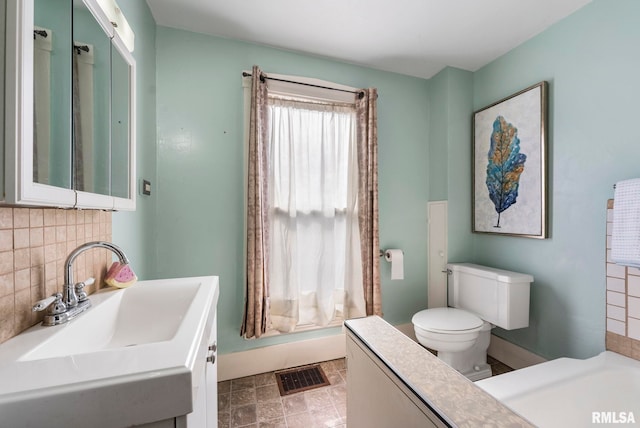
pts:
pixel 625 239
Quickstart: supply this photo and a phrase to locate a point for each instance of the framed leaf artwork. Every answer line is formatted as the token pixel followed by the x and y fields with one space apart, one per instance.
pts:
pixel 509 165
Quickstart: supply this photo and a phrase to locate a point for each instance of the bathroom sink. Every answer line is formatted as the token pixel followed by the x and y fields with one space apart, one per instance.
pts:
pixel 145 344
pixel 145 313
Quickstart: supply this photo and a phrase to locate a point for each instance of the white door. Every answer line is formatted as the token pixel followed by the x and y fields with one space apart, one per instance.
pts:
pixel 437 254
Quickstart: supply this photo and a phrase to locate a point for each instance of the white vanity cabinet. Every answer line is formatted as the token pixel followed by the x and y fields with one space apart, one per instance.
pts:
pixel 204 380
pixel 69 108
pixel 139 357
pixel 205 395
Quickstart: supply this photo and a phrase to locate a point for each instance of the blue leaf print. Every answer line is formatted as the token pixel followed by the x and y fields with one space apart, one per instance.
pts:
pixel 505 165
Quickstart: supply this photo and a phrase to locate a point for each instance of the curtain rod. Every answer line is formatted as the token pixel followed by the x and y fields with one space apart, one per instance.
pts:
pixel 263 77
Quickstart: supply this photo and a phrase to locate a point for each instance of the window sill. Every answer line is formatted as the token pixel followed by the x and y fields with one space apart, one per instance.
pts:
pixel 338 322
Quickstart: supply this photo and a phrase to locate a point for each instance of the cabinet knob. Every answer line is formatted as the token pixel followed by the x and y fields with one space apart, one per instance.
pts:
pixel 213 347
pixel 211 359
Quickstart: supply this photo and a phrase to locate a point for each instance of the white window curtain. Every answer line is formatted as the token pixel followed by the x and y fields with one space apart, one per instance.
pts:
pixel 316 263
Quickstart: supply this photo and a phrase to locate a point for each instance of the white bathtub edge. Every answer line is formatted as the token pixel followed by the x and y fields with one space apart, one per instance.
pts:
pixel 599 388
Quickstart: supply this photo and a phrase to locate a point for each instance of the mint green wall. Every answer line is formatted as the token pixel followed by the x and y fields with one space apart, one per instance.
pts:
pixel 192 224
pixel 200 168
pixel 450 106
pixel 136 231
pixel 439 123
pixel 591 61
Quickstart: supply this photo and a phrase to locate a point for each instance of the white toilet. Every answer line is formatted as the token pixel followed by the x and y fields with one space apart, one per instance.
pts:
pixel 481 297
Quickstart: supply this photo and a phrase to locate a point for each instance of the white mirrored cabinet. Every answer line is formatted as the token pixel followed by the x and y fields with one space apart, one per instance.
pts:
pixel 69 107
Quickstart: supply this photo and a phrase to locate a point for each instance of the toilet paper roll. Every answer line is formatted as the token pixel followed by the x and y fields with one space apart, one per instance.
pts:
pixel 396 257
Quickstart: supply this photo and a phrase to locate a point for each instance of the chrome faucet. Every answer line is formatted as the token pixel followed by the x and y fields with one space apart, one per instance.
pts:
pixel 73 300
pixel 69 290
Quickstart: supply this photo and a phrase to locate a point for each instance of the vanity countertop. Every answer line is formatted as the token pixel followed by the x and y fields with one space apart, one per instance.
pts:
pixel 447 392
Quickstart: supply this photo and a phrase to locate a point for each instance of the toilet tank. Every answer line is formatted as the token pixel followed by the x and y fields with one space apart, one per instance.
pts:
pixel 498 296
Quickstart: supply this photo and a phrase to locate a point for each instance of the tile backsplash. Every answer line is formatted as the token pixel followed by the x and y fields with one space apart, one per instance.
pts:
pixel 34 244
pixel 623 302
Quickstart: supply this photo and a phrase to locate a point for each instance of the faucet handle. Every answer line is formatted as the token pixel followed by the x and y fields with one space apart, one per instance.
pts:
pixel 43 304
pixel 82 295
pixel 53 302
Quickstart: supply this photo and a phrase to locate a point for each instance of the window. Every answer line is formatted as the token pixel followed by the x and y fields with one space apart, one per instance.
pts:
pixel 314 236
pixel 312 204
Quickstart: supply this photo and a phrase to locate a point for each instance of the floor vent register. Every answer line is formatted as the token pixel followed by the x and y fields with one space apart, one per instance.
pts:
pixel 301 379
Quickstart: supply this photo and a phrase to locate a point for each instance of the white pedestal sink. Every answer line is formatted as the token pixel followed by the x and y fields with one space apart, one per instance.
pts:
pixel 137 356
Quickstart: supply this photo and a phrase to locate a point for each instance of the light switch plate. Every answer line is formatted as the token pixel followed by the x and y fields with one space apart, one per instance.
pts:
pixel 146 187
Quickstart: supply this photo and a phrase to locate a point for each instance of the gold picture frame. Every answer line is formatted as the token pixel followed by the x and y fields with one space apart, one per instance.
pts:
pixel 510 165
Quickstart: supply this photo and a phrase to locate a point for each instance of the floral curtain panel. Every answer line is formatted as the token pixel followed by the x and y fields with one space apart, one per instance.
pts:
pixel 256 313
pixel 367 136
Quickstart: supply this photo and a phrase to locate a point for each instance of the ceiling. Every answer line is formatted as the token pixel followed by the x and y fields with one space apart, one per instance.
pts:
pixel 413 37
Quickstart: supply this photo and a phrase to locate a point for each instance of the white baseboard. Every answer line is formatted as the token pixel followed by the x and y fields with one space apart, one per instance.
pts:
pixel 286 355
pixel 279 357
pixel 512 355
pixel 293 354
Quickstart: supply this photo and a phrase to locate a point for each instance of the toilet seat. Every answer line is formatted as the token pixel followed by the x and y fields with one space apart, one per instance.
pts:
pixel 447 321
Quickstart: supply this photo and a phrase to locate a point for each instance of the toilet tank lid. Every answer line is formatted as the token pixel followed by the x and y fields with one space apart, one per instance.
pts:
pixel 489 272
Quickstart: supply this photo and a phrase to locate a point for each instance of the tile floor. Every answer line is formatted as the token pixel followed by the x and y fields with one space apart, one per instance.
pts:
pixel 255 401
pixel 497 367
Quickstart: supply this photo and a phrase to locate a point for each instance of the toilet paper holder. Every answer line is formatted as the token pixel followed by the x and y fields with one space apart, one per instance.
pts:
pixel 395 257
pixel 383 252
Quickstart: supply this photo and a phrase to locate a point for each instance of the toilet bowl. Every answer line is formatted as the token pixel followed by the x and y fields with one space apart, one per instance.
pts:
pixel 481 298
pixel 460 338
pixel 447 329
